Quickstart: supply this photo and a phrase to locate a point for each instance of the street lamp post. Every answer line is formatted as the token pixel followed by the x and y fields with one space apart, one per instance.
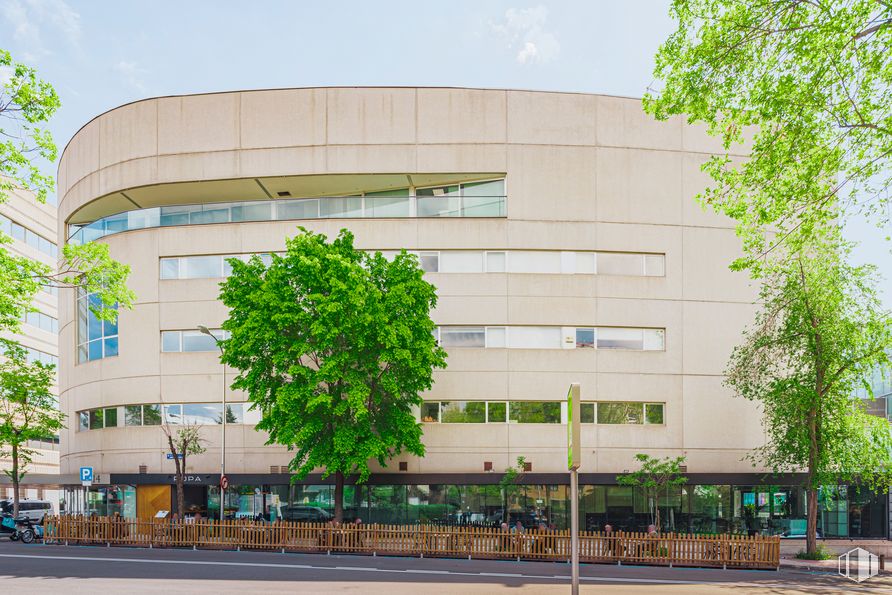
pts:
pixel 204 330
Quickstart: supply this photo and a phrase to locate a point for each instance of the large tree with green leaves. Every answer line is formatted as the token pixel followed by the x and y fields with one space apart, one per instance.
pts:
pixel 334 346
pixel 820 332
pixel 28 411
pixel 809 83
pixel 26 148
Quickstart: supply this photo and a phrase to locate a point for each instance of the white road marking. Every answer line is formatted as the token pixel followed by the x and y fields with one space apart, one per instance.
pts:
pixel 389 570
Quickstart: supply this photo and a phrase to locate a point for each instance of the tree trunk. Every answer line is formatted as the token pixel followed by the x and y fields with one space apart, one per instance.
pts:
pixel 811 535
pixel 339 497
pixel 15 480
pixel 811 530
pixel 657 508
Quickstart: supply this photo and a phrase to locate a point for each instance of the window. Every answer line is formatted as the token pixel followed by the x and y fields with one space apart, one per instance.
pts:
pixel 495 337
pixel 23 234
pixel 173 414
pixel 190 341
pixel 497 412
pixel 35 355
pixel 151 415
pixel 96 338
pixel 653 413
pixel 464 412
pixel 585 338
pixel 528 261
pixel 534 337
pixel 133 415
pixel 430 411
pixel 463 336
pixel 620 413
pixel 615 263
pixel 495 262
pixel 551 337
pixel 44 322
pixel 430 262
pixel 620 338
pixel 461 261
pixel 587 413
pixel 535 412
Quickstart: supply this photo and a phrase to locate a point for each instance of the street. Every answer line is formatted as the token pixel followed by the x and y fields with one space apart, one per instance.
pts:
pixel 78 569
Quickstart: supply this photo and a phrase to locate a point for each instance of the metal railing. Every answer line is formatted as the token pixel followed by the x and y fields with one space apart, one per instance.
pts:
pixel 725 551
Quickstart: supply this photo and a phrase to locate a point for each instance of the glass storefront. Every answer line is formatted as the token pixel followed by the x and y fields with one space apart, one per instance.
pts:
pixel 845 511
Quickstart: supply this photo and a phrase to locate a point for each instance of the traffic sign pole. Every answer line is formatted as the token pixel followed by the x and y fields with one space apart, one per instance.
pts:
pixel 574 449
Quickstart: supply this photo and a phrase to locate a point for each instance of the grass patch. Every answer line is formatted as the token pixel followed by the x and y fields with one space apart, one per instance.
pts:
pixel 820 553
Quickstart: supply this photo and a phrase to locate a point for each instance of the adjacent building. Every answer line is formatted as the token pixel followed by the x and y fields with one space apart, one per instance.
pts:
pixel 561 234
pixel 32 227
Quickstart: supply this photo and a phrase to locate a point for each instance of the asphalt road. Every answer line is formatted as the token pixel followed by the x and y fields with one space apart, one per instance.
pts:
pixel 78 569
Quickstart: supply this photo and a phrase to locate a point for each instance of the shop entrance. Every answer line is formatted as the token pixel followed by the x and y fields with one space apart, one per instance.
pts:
pixel 152 498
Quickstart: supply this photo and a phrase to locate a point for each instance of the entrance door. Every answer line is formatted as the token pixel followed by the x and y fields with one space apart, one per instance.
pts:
pixel 151 499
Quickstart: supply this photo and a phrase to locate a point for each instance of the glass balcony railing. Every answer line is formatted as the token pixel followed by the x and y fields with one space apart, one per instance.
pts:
pixel 330 207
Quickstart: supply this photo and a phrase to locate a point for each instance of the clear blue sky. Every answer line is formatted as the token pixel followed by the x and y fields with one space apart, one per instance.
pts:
pixel 102 53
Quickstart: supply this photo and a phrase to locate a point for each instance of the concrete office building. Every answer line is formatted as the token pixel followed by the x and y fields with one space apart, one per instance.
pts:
pixel 565 245
pixel 32 227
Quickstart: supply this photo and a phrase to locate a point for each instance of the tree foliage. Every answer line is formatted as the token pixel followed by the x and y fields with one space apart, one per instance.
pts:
pixel 809 84
pixel 28 410
pixel 820 332
pixel 655 477
pixel 334 346
pixel 182 442
pixel 27 102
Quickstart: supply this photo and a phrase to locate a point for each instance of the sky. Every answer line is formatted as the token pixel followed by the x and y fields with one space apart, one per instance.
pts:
pixel 100 54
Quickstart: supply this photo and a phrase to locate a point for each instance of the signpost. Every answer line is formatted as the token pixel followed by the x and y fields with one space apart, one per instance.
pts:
pixel 86 476
pixel 574 450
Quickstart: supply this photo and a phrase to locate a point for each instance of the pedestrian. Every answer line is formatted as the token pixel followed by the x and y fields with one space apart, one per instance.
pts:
pixel 609 541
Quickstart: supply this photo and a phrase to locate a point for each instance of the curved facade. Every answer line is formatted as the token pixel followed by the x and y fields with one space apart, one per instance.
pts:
pixel 558 228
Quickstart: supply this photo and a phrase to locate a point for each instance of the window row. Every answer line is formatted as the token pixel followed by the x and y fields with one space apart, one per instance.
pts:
pixel 478 199
pixel 172 414
pixel 179 341
pixel 461 261
pixel 23 234
pixel 44 322
pixel 547 262
pixel 551 337
pixel 96 338
pixel 36 355
pixel 540 412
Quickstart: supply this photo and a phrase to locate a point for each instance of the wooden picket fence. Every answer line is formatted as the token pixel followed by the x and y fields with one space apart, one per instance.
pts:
pixel 726 551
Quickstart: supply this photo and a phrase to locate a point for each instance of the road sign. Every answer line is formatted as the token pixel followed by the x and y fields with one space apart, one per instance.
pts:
pixel 170 456
pixel 224 482
pixel 86 476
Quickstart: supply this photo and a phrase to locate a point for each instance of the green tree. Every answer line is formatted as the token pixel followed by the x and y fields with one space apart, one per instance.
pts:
pixel 809 84
pixel 334 347
pixel 655 477
pixel 820 332
pixel 28 411
pixel 182 442
pixel 27 102
pixel 509 486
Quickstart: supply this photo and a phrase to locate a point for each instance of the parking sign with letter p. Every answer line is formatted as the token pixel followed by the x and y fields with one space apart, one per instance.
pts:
pixel 87 476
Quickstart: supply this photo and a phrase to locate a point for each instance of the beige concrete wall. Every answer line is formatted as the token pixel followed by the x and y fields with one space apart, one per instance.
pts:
pixel 583 172
pixel 40 218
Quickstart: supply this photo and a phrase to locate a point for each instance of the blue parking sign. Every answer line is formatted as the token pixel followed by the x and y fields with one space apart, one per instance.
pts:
pixel 86 474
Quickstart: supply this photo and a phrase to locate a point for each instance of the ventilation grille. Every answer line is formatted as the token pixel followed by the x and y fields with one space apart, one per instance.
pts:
pixel 404 466
pixel 487 465
pixel 527 467
pixel 143 469
pixel 283 194
pixel 682 468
